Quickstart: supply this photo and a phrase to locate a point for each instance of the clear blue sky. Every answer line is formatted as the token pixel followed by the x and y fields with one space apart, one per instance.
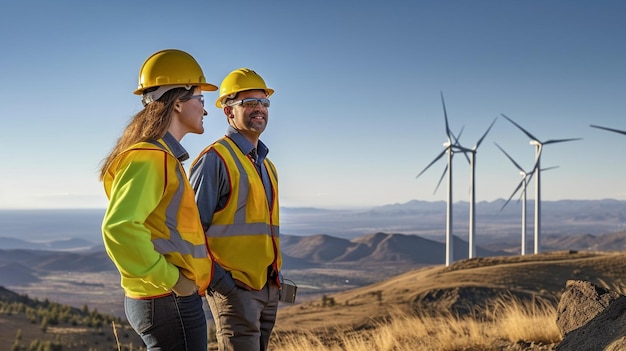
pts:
pixel 357 112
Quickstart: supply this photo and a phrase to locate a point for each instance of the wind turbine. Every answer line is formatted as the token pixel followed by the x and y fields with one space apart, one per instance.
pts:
pixel 472 213
pixel 609 129
pixel 445 170
pixel 538 148
pixel 449 149
pixel 526 176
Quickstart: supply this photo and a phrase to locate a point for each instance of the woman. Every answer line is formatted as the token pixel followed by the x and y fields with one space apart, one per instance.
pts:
pixel 151 228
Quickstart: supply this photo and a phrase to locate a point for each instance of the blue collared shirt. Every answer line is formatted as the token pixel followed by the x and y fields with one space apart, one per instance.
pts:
pixel 209 177
pixel 177 149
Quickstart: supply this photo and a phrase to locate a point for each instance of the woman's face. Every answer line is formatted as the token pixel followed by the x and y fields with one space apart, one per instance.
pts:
pixel 190 114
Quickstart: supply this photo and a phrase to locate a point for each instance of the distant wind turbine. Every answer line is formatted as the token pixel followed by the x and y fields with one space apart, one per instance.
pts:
pixel 526 176
pixel 472 213
pixel 449 149
pixel 538 148
pixel 445 170
pixel 609 129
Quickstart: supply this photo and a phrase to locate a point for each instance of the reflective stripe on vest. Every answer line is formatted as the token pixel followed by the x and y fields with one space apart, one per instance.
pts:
pixel 240 227
pixel 176 243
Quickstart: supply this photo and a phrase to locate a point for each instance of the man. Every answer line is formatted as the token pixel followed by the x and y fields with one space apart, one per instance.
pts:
pixel 237 195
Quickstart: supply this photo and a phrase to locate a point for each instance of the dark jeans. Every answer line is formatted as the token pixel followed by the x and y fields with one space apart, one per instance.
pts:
pixel 169 322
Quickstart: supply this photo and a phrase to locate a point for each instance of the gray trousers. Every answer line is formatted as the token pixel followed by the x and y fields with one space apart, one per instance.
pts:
pixel 244 319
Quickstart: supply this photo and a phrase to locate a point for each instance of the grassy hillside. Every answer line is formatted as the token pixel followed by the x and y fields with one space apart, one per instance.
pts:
pixel 468 289
pixel 30 324
pixel 483 304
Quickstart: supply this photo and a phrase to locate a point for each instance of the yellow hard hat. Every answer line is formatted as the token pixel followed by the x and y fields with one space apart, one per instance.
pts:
pixel 240 80
pixel 171 67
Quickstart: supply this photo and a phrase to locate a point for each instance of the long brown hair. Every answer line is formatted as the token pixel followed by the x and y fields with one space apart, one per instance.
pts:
pixel 151 123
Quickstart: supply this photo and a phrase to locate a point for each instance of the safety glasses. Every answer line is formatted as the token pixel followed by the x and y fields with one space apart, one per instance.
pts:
pixel 199 97
pixel 251 102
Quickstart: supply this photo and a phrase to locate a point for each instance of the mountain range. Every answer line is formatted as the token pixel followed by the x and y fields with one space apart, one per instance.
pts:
pixel 24 265
pixel 411 233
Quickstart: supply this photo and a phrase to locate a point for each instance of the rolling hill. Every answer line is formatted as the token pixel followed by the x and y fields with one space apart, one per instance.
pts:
pixel 463 287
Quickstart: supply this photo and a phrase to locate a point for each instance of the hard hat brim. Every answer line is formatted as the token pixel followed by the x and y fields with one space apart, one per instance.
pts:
pixel 203 87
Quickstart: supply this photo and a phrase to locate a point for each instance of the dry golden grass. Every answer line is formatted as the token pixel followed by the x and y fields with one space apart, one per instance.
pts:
pixel 508 322
pixel 485 304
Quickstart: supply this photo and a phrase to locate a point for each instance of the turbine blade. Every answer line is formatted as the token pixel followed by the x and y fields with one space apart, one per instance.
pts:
pixel 522 193
pixel 457 146
pixel 432 162
pixel 484 135
pixel 510 158
pixel 445 116
pixel 552 141
pixel 549 168
pixel 512 194
pixel 529 176
pixel 520 127
pixel 609 129
pixel 525 181
pixel 460 148
pixel 445 170
pixel 465 154
pixel 456 139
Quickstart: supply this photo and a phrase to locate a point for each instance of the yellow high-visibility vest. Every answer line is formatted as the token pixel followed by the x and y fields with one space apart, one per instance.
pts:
pixel 244 235
pixel 152 227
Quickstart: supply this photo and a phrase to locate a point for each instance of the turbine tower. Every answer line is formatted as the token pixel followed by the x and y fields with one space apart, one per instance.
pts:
pixel 472 213
pixel 526 177
pixel 449 149
pixel 538 148
pixel 609 129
